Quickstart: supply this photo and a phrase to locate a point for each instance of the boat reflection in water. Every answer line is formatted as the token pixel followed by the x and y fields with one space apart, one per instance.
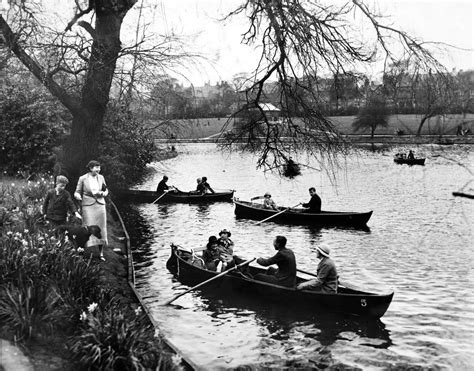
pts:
pixel 295 328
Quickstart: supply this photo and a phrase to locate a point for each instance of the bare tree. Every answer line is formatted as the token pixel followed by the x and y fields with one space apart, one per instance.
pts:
pixel 301 40
pixel 79 64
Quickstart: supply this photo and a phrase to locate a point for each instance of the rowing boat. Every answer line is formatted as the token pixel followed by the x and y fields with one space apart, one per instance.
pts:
pixel 350 301
pixel 250 210
pixel 172 196
pixel 409 161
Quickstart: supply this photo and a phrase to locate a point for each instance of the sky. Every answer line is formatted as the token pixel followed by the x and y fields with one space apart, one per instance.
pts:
pixel 448 21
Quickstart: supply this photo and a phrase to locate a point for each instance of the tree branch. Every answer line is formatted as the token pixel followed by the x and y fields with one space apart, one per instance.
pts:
pixel 11 40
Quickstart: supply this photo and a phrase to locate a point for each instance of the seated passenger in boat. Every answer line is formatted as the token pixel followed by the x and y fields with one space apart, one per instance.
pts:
pixel 268 202
pixel 226 248
pixel 411 155
pixel 285 275
pixel 314 204
pixel 327 274
pixel 211 255
pixel 204 186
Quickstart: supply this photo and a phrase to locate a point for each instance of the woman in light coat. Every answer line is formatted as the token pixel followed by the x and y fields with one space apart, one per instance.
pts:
pixel 91 190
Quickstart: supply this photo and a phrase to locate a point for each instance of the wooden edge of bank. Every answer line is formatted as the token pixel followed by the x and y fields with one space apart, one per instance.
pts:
pixel 131 282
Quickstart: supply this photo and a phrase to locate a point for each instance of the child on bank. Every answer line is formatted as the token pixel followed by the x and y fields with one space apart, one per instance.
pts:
pixel 58 202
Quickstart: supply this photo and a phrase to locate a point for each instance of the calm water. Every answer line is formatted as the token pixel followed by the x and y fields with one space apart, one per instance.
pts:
pixel 419 245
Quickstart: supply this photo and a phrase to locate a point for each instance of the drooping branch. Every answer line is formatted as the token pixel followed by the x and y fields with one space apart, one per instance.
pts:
pixel 11 40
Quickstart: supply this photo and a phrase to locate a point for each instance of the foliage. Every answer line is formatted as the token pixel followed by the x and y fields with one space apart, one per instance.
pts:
pixel 126 148
pixel 375 113
pixel 111 338
pixel 29 131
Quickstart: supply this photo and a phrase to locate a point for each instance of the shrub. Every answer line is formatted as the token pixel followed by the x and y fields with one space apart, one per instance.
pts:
pixel 127 147
pixel 29 131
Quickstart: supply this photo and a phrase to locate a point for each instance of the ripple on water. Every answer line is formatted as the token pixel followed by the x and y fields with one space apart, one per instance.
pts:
pixel 418 244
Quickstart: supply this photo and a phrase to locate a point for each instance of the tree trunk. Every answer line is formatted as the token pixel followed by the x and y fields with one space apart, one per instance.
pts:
pixel 83 143
pixel 422 122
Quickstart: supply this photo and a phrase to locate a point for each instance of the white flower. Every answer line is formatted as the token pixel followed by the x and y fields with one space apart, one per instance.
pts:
pixel 83 316
pixel 92 307
pixel 24 242
pixel 138 311
pixel 80 250
pixel 26 231
pixel 9 233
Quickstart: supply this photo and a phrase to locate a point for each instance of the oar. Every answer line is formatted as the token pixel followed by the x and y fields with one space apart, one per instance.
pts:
pixel 164 193
pixel 257 198
pixel 281 212
pixel 207 281
pixel 340 282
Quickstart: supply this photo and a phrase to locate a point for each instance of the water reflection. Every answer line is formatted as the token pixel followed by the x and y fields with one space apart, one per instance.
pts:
pixel 415 218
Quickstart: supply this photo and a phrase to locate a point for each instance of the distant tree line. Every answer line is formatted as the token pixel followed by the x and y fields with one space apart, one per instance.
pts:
pixel 404 91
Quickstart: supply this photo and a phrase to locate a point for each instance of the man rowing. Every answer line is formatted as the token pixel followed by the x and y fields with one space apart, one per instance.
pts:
pixel 314 204
pixel 285 275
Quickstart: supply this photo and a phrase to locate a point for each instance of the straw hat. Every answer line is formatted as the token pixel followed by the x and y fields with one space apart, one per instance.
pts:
pixel 324 250
pixel 267 194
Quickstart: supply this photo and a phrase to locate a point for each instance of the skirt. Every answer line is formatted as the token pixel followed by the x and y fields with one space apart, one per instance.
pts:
pixel 95 214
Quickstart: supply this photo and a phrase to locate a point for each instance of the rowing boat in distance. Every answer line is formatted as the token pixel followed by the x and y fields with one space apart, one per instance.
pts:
pixel 348 301
pixel 409 161
pixel 172 196
pixel 251 210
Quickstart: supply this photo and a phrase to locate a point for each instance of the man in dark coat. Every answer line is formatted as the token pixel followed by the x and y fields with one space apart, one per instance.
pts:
pixel 327 274
pixel 285 275
pixel 162 186
pixel 314 205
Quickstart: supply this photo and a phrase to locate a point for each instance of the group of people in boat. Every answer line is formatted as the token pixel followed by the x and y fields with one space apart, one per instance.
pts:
pixel 201 188
pixel 219 256
pixel 312 206
pixel 409 156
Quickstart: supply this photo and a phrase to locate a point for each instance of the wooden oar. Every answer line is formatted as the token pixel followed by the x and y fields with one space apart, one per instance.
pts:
pixel 281 212
pixel 340 283
pixel 207 281
pixel 257 198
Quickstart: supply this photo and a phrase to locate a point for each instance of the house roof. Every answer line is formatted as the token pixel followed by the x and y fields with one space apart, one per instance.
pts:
pixel 268 107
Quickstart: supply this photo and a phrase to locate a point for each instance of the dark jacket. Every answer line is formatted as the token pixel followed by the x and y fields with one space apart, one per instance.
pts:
pixel 56 206
pixel 314 204
pixel 162 186
pixel 286 262
pixel 211 257
pixel 327 275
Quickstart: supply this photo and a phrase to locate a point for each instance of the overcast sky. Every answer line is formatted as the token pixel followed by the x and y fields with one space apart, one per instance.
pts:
pixel 449 21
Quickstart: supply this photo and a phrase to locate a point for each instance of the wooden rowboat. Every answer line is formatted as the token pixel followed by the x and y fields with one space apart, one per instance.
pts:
pixel 250 210
pixel 347 301
pixel 409 161
pixel 170 197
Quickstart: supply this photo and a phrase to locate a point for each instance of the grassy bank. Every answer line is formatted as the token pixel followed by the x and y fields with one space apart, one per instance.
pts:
pixel 206 127
pixel 66 308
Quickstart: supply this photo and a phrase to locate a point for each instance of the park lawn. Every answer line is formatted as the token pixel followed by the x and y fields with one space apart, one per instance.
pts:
pixel 207 127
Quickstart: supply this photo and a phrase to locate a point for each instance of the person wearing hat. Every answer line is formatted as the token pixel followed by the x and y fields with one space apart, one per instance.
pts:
pixel 226 247
pixel 211 255
pixel 91 190
pixel 285 275
pixel 314 204
pixel 327 274
pixel 268 202
pixel 58 202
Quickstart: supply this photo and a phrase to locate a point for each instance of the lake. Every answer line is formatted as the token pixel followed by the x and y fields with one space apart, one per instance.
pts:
pixel 418 244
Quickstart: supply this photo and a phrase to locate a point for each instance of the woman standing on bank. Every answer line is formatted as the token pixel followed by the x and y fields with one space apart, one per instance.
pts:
pixel 91 190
